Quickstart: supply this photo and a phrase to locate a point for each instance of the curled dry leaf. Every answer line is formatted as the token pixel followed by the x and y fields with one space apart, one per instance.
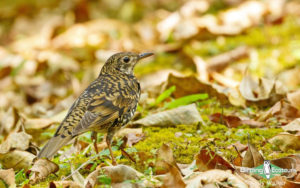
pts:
pixel 261 90
pixel 286 163
pixel 183 115
pixel 252 157
pixel 191 85
pixel 41 169
pixel 16 159
pixel 173 178
pixel 207 160
pixel 239 159
pixel 164 158
pixel 8 177
pixel 91 179
pixel 133 135
pixel 233 121
pixel 297 158
pixel 19 141
pixel 293 126
pixel 215 177
pixel 285 141
pixel 282 110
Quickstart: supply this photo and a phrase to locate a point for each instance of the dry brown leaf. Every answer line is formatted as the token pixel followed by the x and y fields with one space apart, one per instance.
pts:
pixel 282 110
pixel 239 146
pixel 38 123
pixel 151 83
pixel 191 85
pixel 54 59
pixel 294 99
pixel 249 180
pixel 293 126
pixel 18 140
pixel 121 173
pixel 8 120
pixel 216 177
pixel 117 174
pixel 173 178
pixel 230 22
pixel 64 184
pixel 286 141
pixel 164 158
pixel 252 157
pixel 229 121
pixel 91 179
pixel 134 138
pixel 224 80
pixel 172 23
pixel 186 115
pixel 8 177
pixel 220 62
pixel 233 121
pixel 91 33
pixel 238 161
pixel 187 169
pixel 235 20
pixel 77 177
pixel 133 135
pixel 286 163
pixel 207 160
pixel 297 158
pixel 283 182
pixel 16 159
pixel 38 30
pixel 41 169
pixel 260 90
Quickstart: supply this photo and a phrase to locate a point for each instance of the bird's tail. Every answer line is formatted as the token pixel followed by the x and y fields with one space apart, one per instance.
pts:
pixel 53 145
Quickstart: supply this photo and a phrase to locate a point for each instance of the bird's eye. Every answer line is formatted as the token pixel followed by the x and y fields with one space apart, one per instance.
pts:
pixel 126 59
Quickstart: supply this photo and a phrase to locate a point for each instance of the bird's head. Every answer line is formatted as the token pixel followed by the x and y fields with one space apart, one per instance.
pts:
pixel 123 62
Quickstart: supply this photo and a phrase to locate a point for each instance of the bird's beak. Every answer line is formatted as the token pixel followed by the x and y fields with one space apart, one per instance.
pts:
pixel 144 55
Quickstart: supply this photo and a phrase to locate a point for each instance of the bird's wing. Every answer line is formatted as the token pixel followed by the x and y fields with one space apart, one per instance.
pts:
pixel 103 110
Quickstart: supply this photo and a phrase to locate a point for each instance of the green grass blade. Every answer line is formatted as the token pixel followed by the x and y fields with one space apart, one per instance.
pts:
pixel 186 100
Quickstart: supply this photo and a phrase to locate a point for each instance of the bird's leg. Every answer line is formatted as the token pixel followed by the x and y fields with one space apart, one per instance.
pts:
pixel 109 137
pixel 94 138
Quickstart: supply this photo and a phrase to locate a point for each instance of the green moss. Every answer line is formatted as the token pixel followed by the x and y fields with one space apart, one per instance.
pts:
pixel 272 43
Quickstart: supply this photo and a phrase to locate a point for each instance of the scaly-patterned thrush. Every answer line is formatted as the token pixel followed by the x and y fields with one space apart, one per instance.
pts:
pixel 106 105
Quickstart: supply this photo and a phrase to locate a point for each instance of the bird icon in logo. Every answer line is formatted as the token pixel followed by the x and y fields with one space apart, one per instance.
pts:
pixel 267 169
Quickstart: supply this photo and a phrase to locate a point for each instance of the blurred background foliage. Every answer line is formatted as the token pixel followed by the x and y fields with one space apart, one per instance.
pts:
pixel 206 52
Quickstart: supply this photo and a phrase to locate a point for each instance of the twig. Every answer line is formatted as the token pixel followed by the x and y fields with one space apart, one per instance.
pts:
pixel 81 166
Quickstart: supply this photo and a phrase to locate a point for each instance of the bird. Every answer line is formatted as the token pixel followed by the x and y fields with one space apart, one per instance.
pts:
pixel 106 105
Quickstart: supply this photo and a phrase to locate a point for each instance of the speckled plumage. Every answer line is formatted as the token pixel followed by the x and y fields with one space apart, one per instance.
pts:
pixel 106 105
